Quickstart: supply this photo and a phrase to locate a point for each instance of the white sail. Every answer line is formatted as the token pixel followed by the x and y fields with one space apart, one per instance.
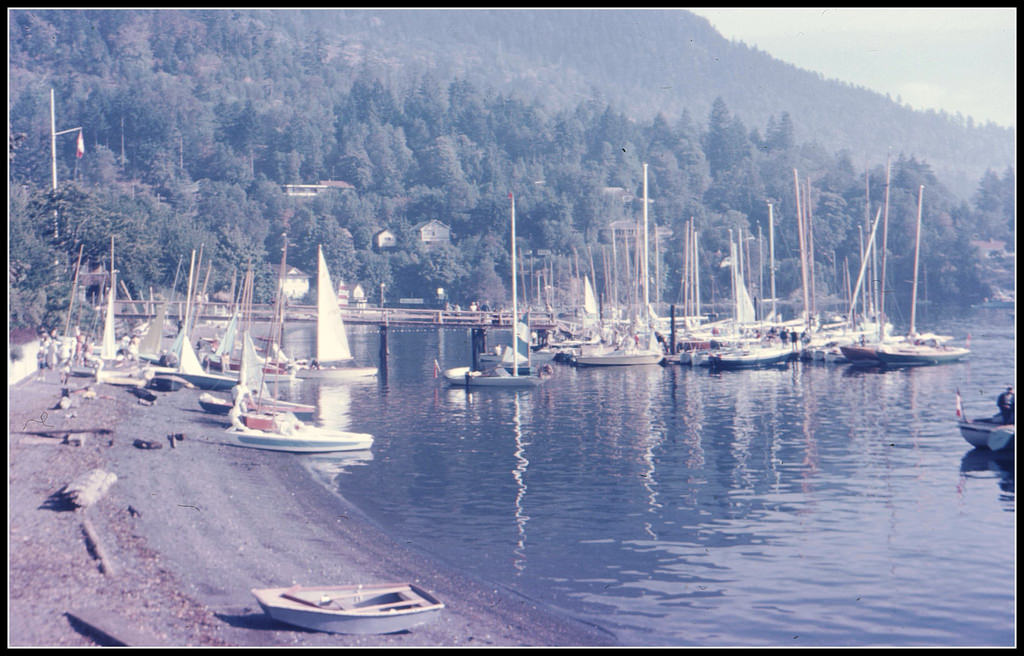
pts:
pixel 331 340
pixel 189 363
pixel 151 342
pixel 589 300
pixel 108 349
pixel 250 369
pixel 227 343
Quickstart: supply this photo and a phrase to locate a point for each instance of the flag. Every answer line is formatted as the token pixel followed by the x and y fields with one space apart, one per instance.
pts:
pixel 959 406
pixel 437 368
pixel 968 340
pixel 81 146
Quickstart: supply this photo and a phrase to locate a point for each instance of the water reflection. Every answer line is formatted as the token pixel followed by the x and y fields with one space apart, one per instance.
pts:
pixel 804 501
pixel 985 464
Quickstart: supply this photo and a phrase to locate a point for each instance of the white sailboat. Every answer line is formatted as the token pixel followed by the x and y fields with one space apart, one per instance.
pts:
pixel 629 350
pixel 499 376
pixel 333 358
pixel 916 350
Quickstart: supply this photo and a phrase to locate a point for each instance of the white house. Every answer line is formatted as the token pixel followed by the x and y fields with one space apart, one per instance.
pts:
pixel 384 239
pixel 295 283
pixel 309 190
pixel 433 233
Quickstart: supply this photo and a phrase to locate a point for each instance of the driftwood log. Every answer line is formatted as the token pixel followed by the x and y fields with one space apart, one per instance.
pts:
pixel 95 545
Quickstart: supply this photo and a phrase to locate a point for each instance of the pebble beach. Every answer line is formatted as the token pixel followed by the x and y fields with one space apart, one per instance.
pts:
pixel 168 555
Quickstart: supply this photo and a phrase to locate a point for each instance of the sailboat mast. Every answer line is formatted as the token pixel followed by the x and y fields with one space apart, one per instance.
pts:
pixel 880 311
pixel 917 252
pixel 515 329
pixel 771 256
pixel 696 273
pixel 643 269
pixel 803 248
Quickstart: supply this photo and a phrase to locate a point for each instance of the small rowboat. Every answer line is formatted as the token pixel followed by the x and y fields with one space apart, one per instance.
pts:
pixel 988 433
pixel 355 609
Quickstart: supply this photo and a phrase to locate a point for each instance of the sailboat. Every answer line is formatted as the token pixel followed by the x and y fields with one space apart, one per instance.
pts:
pixel 918 351
pixel 499 376
pixel 333 358
pixel 629 350
pixel 746 354
pixel 274 428
pixel 249 377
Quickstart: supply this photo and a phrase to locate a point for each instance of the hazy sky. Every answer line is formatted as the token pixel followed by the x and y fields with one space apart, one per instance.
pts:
pixel 957 60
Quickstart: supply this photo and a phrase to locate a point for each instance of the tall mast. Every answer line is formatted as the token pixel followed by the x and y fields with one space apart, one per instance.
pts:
pixel 917 251
pixel 885 240
pixel 515 320
pixel 803 248
pixel 771 257
pixel 643 269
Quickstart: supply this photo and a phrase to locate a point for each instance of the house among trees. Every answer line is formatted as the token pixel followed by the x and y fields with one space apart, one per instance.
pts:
pixel 989 247
pixel 630 229
pixel 618 192
pixel 309 190
pixel 433 233
pixel 384 239
pixel 295 283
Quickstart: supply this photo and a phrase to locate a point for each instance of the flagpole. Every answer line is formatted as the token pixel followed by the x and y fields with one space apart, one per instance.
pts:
pixel 53 151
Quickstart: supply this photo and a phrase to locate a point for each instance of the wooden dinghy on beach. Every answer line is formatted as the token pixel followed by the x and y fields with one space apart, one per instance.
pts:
pixel 353 609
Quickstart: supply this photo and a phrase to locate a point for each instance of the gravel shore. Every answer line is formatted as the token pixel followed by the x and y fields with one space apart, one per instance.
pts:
pixel 189 528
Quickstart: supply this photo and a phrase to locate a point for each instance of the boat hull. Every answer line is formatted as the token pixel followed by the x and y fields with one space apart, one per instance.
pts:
pixel 920 358
pixel 336 373
pixel 465 377
pixel 217 406
pixel 860 355
pixel 305 440
pixel 988 434
pixel 751 360
pixel 209 381
pixel 618 359
pixel 351 609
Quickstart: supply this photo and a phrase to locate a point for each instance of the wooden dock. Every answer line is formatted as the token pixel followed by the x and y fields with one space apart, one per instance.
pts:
pixel 356 315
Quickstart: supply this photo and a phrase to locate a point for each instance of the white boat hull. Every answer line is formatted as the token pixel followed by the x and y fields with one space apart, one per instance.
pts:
pixel 619 358
pixel 988 434
pixel 307 439
pixel 350 609
pixel 336 373
pixel 465 377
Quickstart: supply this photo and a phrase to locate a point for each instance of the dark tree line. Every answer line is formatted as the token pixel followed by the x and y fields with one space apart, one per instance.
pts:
pixel 194 121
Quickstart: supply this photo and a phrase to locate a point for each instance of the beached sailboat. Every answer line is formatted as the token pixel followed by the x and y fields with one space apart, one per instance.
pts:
pixel 298 438
pixel 249 377
pixel 333 360
pixel 352 609
pixel 499 375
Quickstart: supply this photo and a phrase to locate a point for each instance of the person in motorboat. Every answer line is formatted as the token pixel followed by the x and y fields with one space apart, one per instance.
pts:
pixel 1006 405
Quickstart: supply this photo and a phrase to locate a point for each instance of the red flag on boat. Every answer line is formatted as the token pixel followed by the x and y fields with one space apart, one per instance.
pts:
pixel 959 406
pixel 81 146
pixel 968 340
pixel 437 368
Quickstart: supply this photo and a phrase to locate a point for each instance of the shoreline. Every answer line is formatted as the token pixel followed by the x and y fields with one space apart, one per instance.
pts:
pixel 189 529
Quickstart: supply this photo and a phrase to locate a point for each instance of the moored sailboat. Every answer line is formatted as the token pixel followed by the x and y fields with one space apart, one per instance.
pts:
pixel 499 375
pixel 333 359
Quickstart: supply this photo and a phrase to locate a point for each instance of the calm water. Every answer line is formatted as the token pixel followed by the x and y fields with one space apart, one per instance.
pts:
pixel 810 505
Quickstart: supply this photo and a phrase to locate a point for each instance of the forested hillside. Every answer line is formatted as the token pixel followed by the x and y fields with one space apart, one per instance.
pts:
pixel 194 120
